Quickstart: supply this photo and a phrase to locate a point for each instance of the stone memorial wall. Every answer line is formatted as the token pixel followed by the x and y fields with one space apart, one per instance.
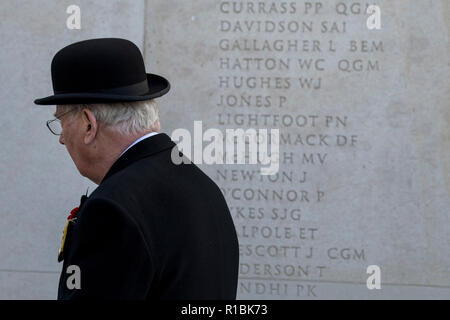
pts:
pixel 356 93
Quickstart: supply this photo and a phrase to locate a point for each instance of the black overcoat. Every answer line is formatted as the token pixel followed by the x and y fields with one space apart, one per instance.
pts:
pixel 153 230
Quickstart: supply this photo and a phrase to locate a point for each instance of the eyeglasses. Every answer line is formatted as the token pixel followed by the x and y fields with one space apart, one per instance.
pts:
pixel 55 125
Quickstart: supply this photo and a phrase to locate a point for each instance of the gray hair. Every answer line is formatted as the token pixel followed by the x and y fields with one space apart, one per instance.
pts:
pixel 127 118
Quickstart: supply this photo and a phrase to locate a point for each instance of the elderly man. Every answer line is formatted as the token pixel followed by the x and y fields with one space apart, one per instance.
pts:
pixel 152 229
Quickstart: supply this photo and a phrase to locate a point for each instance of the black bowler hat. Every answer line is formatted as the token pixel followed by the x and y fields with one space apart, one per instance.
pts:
pixel 102 70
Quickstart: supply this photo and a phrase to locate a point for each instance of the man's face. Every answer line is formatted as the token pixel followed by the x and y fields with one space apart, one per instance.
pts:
pixel 71 136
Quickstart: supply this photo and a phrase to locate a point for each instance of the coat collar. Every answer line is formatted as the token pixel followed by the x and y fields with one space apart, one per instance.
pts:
pixel 142 149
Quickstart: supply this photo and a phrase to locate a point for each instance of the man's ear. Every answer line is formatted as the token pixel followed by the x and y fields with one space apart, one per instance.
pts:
pixel 89 125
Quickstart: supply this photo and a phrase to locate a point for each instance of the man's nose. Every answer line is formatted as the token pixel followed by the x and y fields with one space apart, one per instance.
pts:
pixel 61 139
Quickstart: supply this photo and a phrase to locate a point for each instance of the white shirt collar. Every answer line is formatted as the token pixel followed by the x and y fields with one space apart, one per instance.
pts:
pixel 148 135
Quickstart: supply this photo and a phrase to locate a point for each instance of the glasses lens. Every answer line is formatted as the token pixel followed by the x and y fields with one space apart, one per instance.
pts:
pixel 55 127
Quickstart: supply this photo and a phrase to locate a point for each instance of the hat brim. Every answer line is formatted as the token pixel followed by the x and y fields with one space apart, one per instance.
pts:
pixel 158 86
